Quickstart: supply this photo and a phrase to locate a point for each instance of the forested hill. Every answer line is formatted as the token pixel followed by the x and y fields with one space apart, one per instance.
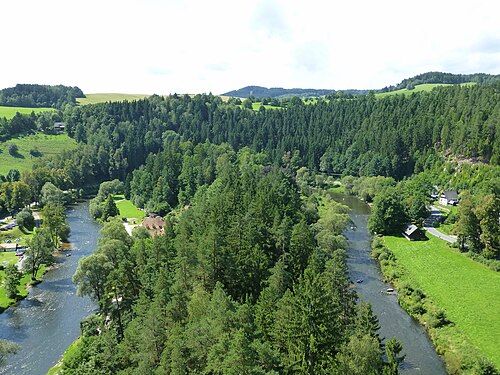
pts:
pixel 279 92
pixel 33 96
pixel 392 136
pixel 441 78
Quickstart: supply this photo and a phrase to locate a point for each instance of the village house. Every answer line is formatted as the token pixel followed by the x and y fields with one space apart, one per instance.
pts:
pixel 59 127
pixel 448 198
pixel 154 224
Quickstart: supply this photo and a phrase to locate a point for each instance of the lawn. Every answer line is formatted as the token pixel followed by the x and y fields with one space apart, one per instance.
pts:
pixel 256 106
pixel 10 112
pixel 467 291
pixel 46 144
pixel 15 233
pixel 109 97
pixel 127 208
pixel 418 88
pixel 11 257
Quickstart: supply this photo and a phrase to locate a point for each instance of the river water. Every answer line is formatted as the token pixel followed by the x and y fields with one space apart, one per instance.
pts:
pixel 48 320
pixel 421 357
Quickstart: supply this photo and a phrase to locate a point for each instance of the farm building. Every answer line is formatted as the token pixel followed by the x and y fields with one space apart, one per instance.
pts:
pixel 59 127
pixel 154 224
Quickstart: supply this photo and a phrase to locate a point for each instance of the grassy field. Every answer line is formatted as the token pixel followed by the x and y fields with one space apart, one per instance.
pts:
pixel 15 233
pixel 10 112
pixel 419 88
pixel 467 291
pixel 109 97
pixel 46 145
pixel 25 280
pixel 127 208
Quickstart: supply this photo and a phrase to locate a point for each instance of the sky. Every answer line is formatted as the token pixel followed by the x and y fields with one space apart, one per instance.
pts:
pixel 176 46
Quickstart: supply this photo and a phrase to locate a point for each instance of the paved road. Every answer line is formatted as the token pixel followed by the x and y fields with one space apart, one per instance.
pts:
pixel 438 234
pixel 36 215
pixel 435 215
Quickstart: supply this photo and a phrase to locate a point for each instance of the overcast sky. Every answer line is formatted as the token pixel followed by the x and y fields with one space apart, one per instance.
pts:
pixel 167 46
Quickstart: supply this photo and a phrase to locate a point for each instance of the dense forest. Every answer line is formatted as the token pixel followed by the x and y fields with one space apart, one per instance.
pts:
pixel 248 278
pixel 30 95
pixel 439 77
pixel 393 136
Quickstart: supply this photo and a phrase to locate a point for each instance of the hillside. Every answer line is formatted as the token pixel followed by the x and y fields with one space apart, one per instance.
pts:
pixel 422 82
pixel 38 96
pixel 441 78
pixel 108 97
pixel 419 88
pixel 9 112
pixel 47 145
pixel 279 92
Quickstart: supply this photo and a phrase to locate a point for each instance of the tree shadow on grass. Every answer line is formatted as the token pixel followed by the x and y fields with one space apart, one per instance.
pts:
pixel 17 155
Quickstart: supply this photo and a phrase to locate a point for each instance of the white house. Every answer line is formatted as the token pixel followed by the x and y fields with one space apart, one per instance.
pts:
pixel 448 198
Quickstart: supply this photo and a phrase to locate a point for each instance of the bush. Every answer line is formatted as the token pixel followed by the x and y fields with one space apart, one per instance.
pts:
pixel 450 219
pixel 13 149
pixel 96 208
pixel 35 152
pixel 63 232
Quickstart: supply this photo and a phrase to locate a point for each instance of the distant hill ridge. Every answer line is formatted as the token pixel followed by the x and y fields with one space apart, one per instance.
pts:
pixel 260 92
pixel 279 92
pixel 441 78
pixel 38 96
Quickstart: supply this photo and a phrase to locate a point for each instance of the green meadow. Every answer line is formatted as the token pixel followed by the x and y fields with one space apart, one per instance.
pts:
pixel 127 208
pixel 10 112
pixel 467 291
pixel 109 97
pixel 46 144
pixel 419 88
pixel 11 258
pixel 256 106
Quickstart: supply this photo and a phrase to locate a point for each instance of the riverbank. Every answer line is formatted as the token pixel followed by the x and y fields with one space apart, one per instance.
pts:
pixel 452 296
pixel 23 290
pixel 46 322
pixel 421 356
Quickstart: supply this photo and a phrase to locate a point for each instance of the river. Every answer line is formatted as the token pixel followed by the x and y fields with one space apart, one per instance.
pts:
pixel 421 357
pixel 48 320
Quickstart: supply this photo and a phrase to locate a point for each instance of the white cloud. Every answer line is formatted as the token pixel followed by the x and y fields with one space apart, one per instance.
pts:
pixel 165 46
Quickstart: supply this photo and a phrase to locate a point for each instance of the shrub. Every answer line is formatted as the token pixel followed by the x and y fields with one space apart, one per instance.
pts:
pixel 13 149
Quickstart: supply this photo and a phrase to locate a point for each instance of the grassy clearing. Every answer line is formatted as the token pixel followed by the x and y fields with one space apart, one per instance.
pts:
pixel 11 257
pixel 46 144
pixel 256 106
pixel 109 97
pixel 468 292
pixel 419 88
pixel 127 208
pixel 16 233
pixel 10 112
